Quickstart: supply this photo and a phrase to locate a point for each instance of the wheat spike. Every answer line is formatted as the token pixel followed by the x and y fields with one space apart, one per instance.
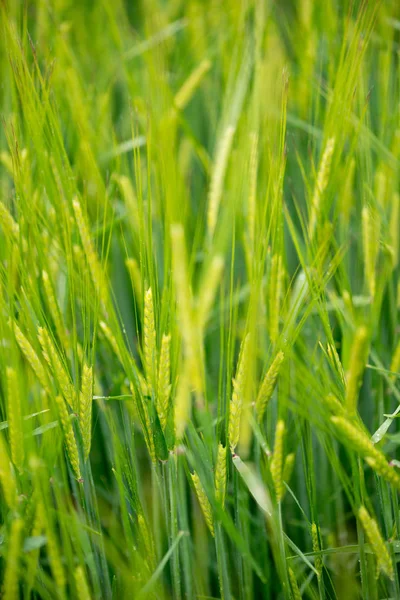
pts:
pixel 385 470
pixel 204 502
pixel 277 460
pixel 31 356
pixel 69 436
pixel 321 184
pixel 268 385
pixel 220 474
pixel 358 359
pixel 384 562
pixel 370 238
pixel 294 586
pixel 288 467
pixel 92 259
pixel 52 358
pixel 236 404
pixel 54 308
pixel 85 408
pixel 136 280
pixel 362 444
pixel 164 381
pixel 316 549
pixel 10 227
pixel 108 334
pixel 150 349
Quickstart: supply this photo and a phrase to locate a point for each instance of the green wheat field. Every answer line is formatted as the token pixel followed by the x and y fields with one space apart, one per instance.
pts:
pixel 199 299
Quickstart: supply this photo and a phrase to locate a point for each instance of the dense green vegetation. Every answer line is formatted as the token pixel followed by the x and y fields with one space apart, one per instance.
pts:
pixel 199 299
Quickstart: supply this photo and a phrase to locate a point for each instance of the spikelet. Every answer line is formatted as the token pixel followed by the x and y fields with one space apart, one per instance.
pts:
pixel 358 359
pixel 335 361
pixel 294 586
pixel 69 436
pixel 144 388
pixel 363 445
pixel 370 238
pixel 183 296
pixel 9 226
pixel 14 417
pixel 220 475
pixel 384 470
pixel 187 90
pixel 53 552
pixel 85 408
pixel 147 538
pixel 252 197
pixel 54 308
pixel 288 467
pixel 334 405
pixel 277 460
pixel 82 587
pixel 218 176
pixel 52 358
pixel 268 385
pixel 149 340
pixel 204 502
pixel 31 356
pixel 7 478
pixel 316 549
pixel 274 296
pixel 321 184
pixel 136 280
pixel 209 289
pixel 108 334
pixel 92 259
pixel 236 404
pixel 395 364
pixel 384 562
pixel 164 381
pixel 182 406
pixel 11 576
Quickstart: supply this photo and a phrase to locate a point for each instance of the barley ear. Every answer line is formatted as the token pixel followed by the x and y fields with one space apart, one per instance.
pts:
pixel 356 368
pixel 370 526
pixel 268 385
pixel 277 460
pixel 236 404
pixel 204 502
pixel 85 408
pixel 164 381
pixel 69 436
pixel 316 549
pixel 220 474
